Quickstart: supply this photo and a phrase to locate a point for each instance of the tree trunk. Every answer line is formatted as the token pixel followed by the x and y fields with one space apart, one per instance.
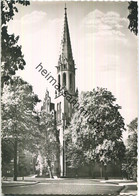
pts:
pixel 101 171
pixel 76 171
pixel 50 170
pixel 15 160
pixel 91 170
pixel 105 172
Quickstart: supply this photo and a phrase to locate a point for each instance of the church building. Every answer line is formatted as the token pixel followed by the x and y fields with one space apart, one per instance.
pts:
pixel 66 80
pixel 63 109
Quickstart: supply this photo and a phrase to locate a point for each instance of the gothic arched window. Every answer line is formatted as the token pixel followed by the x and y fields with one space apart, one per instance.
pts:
pixel 64 79
pixel 70 80
pixel 59 81
pixel 57 106
pixel 65 66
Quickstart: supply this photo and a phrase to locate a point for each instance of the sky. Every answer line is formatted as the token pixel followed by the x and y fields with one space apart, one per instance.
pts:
pixel 104 50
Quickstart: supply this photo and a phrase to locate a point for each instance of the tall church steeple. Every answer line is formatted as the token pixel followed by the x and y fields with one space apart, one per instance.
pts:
pixel 66 66
pixel 66 81
pixel 66 52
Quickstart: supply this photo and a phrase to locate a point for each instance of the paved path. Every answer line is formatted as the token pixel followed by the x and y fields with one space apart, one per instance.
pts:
pixel 66 187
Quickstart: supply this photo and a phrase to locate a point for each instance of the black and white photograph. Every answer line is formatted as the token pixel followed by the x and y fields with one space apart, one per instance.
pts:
pixel 69 97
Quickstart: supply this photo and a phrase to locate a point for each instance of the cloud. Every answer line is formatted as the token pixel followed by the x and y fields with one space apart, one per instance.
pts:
pixel 110 63
pixel 57 24
pixel 108 24
pixel 118 26
pixel 34 17
pixel 29 23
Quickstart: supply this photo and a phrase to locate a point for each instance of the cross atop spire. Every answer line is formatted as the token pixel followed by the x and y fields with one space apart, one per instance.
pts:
pixel 65 8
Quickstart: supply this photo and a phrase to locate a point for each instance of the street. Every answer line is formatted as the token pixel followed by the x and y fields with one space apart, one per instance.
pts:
pixel 65 187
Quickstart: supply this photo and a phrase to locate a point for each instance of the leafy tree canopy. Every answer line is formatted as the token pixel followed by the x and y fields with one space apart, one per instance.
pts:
pixel 12 58
pixel 18 113
pixel 132 138
pixel 8 9
pixel 130 161
pixel 133 17
pixel 98 138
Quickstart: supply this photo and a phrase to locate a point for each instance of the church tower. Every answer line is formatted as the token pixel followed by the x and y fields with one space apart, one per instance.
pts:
pixel 66 80
pixel 66 66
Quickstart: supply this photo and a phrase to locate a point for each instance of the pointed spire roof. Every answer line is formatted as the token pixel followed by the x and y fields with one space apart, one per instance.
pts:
pixel 66 52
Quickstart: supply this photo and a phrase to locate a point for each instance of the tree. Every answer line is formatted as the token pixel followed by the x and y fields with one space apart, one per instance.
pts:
pixel 18 118
pixel 99 137
pixel 49 142
pixel 12 58
pixel 7 152
pixel 130 164
pixel 133 17
pixel 26 164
